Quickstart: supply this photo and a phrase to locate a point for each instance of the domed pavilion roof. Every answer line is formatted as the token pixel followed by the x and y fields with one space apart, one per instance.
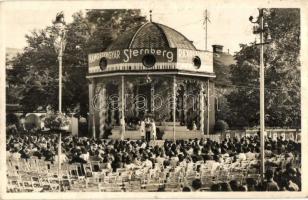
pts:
pixel 151 35
pixel 151 48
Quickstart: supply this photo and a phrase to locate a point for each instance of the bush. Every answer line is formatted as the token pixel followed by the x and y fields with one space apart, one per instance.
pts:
pixel 221 126
pixel 159 133
pixel 55 121
pixel 12 119
pixel 32 122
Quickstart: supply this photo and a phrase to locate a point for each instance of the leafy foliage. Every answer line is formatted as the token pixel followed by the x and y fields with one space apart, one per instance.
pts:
pixel 35 71
pixel 221 63
pixel 56 121
pixel 221 126
pixel 282 75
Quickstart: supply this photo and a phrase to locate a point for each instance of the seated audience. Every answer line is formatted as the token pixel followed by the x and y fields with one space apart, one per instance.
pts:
pixel 202 157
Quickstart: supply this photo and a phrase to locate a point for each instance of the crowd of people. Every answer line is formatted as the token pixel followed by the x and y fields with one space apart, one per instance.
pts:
pixel 281 155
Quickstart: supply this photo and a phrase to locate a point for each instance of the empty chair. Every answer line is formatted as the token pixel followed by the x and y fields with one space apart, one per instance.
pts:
pixel 172 187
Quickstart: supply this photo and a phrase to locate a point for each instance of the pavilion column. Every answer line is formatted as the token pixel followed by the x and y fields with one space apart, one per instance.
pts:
pixel 91 120
pixel 131 100
pixel 122 108
pixel 119 102
pixel 208 108
pixel 169 108
pixel 152 98
pixel 102 109
pixel 185 104
pixel 136 101
pixel 112 112
pixel 174 106
pixel 201 107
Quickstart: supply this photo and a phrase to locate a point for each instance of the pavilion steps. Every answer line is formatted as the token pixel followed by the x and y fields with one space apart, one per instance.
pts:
pixel 179 134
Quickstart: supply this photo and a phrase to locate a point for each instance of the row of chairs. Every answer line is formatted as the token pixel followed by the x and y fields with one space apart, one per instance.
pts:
pixel 38 175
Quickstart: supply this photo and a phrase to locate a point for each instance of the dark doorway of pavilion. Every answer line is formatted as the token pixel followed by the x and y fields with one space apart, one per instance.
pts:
pixel 143 100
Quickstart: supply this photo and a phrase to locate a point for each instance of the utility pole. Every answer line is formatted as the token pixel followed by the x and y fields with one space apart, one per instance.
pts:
pixel 206 20
pixel 262 121
pixel 260 29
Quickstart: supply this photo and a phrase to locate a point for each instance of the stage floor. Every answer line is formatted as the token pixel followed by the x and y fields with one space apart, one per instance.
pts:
pixel 135 135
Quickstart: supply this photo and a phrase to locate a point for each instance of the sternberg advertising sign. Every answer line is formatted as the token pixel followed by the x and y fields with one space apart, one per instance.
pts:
pixel 133 56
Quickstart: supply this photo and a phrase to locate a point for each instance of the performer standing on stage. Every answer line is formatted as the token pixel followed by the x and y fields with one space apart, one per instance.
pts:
pixel 153 129
pixel 142 129
pixel 122 123
pixel 147 129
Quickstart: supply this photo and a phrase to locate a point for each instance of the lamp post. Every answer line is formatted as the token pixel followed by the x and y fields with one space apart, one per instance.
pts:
pixel 262 29
pixel 59 45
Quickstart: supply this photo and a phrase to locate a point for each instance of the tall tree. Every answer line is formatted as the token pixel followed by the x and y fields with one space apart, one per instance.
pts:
pixel 222 63
pixel 35 71
pixel 282 75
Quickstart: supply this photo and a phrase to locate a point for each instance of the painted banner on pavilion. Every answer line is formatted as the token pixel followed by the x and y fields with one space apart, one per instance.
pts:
pixel 172 58
pixel 133 56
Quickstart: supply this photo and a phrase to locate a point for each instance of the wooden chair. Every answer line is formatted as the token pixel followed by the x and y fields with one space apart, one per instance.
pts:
pixel 88 170
pixel 256 177
pixel 73 172
pixel 120 170
pixel 81 172
pixel 126 176
pixel 66 180
pixel 46 185
pixel 14 184
pixel 151 187
pixel 189 177
pixel 12 172
pixel 107 187
pixel 77 171
pixel 172 187
pixel 36 183
pixel 133 186
pixel 207 181
pixel 238 176
pixel 27 183
pixel 113 178
pixel 92 184
pixel 96 166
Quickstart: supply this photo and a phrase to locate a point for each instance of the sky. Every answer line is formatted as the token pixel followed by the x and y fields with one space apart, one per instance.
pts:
pixel 229 25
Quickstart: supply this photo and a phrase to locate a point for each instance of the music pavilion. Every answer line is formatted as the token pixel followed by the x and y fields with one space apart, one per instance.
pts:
pixel 152 71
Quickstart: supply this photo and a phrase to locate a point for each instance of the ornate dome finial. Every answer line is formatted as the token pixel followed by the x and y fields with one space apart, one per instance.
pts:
pixel 150 15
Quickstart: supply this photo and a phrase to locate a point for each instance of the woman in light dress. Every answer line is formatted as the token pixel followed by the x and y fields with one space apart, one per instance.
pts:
pixel 153 129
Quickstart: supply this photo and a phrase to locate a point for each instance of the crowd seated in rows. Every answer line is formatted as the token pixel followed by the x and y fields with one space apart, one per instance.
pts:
pixel 216 158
